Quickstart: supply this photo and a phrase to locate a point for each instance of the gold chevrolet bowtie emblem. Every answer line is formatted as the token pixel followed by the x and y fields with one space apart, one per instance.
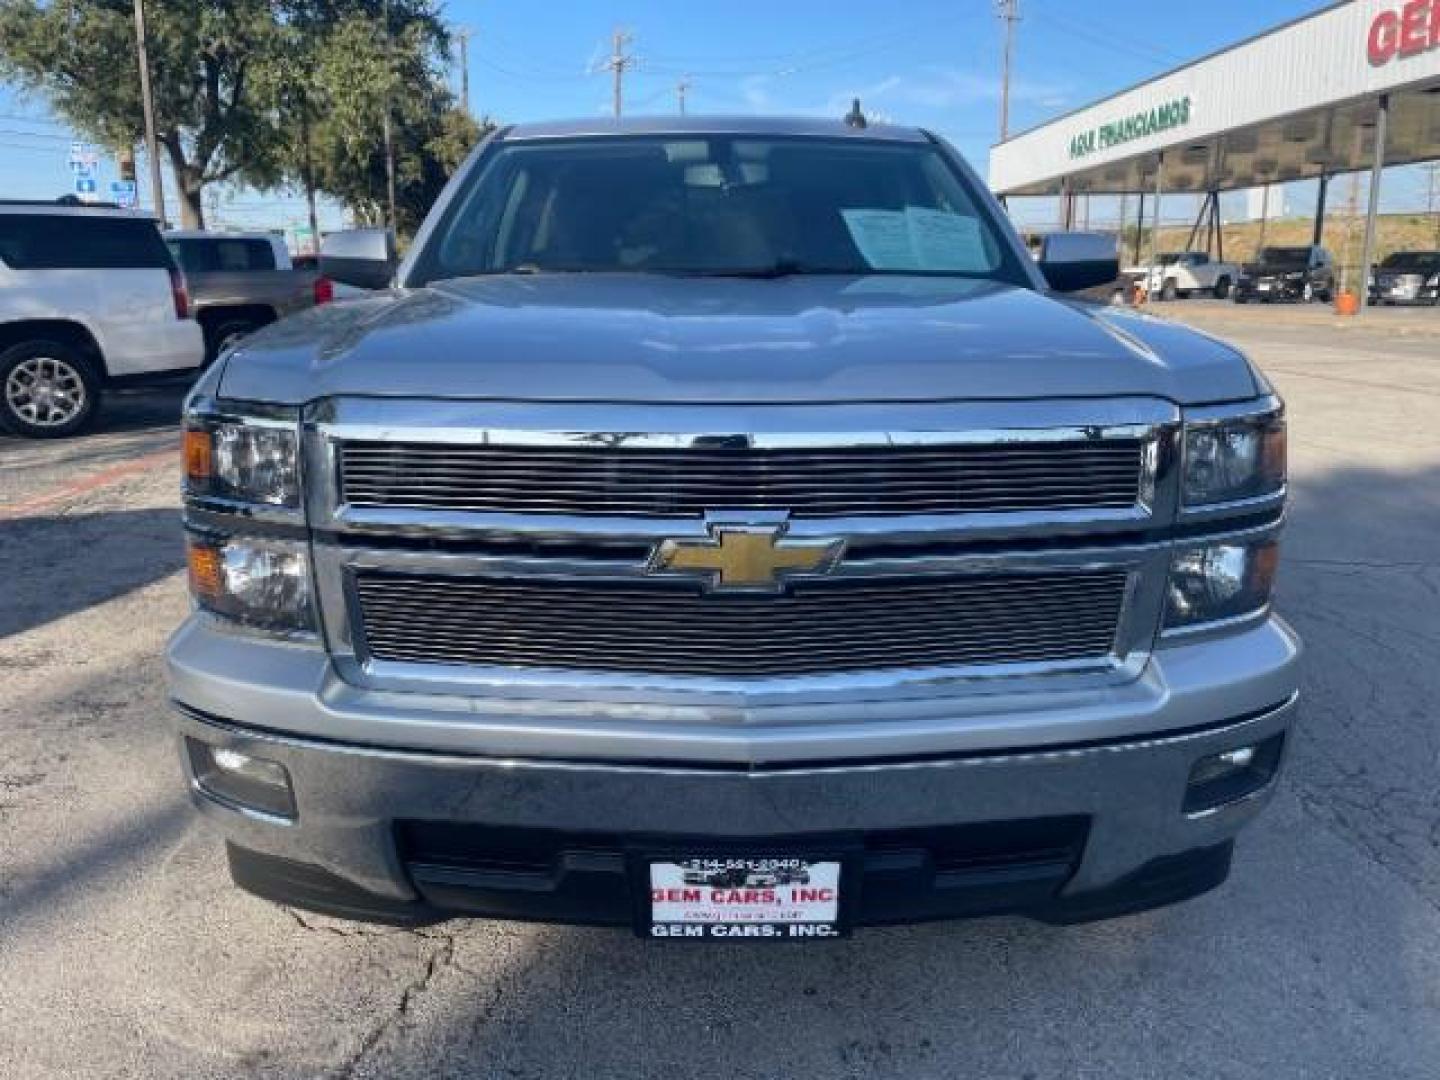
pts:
pixel 745 557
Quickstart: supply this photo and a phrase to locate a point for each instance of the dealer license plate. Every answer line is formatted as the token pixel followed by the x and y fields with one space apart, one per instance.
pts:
pixel 776 899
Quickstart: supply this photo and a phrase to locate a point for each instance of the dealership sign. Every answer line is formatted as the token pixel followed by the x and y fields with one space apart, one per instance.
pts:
pixel 1164 117
pixel 1405 31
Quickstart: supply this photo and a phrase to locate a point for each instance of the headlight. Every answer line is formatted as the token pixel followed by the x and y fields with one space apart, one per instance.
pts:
pixel 1226 460
pixel 260 583
pixel 246 461
pixel 1220 581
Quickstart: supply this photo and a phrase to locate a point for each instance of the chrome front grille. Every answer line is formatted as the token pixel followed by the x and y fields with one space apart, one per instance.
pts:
pixel 813 482
pixel 824 626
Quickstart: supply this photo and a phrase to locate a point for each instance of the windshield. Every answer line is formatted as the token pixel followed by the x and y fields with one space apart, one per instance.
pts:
pixel 1415 262
pixel 718 205
pixel 1170 258
pixel 1284 254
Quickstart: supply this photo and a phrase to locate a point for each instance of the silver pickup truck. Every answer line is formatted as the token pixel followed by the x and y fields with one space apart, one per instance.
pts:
pixel 240 282
pixel 725 528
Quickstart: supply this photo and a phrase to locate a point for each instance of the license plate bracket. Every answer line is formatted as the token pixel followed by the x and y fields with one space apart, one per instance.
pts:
pixel 750 896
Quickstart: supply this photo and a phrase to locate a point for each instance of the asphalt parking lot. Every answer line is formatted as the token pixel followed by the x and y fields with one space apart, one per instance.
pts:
pixel 124 951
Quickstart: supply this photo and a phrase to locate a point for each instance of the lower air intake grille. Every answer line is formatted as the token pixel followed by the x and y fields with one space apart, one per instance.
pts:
pixel 665 628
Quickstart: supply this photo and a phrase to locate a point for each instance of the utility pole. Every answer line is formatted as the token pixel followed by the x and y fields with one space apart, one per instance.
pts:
pixel 386 132
pixel 1009 11
pixel 464 35
pixel 684 85
pixel 152 149
pixel 619 61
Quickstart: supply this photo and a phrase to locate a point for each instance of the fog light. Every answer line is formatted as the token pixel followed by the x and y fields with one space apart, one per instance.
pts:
pixel 241 780
pixel 1220 779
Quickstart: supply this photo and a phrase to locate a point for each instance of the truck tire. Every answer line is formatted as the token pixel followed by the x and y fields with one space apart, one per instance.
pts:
pixel 1222 288
pixel 1168 291
pixel 48 389
pixel 223 333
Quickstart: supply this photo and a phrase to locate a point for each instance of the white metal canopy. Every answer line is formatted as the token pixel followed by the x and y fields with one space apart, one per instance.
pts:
pixel 1297 102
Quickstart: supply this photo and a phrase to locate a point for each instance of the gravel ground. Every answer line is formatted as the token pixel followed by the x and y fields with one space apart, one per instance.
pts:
pixel 125 952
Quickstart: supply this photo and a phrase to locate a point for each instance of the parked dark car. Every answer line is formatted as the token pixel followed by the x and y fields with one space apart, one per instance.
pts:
pixel 1288 273
pixel 1407 277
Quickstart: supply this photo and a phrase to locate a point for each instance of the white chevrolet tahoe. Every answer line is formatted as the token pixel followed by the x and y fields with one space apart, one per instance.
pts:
pixel 89 297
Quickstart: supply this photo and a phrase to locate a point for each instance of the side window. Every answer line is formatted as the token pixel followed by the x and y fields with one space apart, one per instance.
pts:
pixel 1200 259
pixel 194 256
pixel 81 242
pixel 261 256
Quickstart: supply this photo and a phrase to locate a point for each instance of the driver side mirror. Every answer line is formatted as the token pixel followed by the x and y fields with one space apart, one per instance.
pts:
pixel 1073 261
pixel 364 258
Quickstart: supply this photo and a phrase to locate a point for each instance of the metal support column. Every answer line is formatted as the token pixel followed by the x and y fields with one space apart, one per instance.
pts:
pixel 1219 223
pixel 1367 250
pixel 1319 231
pixel 1139 227
pixel 1159 187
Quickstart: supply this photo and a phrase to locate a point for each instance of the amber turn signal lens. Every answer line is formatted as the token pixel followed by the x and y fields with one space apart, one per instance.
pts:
pixel 1272 454
pixel 1263 566
pixel 199 460
pixel 206 572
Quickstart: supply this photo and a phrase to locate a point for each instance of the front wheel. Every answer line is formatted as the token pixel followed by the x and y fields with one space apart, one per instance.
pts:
pixel 1222 288
pixel 47 389
pixel 1169 291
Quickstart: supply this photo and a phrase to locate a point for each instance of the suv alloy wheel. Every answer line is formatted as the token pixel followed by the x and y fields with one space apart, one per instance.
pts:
pixel 47 389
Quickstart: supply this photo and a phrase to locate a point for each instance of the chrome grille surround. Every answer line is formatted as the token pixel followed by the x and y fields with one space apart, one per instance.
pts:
pixel 810 482
pixel 354 543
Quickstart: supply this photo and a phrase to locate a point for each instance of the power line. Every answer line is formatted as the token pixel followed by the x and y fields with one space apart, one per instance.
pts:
pixel 1126 45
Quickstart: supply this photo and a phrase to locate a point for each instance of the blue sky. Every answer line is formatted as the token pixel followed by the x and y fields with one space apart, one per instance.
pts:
pixel 928 62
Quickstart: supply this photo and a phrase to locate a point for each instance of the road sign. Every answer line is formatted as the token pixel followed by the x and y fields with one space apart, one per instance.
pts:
pixel 83 155
pixel 122 193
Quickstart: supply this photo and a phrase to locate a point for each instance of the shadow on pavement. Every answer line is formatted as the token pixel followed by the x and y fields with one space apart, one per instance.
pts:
pixel 56 565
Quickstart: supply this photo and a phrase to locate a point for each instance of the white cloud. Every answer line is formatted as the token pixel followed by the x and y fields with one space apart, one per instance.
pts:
pixel 950 88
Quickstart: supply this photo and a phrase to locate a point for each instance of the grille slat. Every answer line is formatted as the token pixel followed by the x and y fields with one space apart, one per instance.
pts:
pixel 649 627
pixel 814 483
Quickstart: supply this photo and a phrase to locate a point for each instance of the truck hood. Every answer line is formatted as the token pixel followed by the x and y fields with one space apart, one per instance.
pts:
pixel 665 339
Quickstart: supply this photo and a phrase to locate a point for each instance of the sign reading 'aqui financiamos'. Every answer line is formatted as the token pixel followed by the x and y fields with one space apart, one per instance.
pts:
pixel 1171 114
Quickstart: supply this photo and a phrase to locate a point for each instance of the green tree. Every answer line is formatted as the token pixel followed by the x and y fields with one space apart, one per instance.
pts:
pixel 364 67
pixel 264 93
pixel 80 56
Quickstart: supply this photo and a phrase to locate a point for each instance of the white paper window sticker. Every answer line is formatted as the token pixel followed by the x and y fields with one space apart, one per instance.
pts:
pixel 918 238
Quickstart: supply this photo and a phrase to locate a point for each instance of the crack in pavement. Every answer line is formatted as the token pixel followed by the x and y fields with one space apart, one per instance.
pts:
pixel 439 958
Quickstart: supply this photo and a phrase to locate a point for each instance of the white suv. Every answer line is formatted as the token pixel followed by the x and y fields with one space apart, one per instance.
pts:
pixel 89 297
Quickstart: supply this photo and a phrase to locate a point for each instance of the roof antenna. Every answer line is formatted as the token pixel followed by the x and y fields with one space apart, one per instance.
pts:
pixel 855 118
